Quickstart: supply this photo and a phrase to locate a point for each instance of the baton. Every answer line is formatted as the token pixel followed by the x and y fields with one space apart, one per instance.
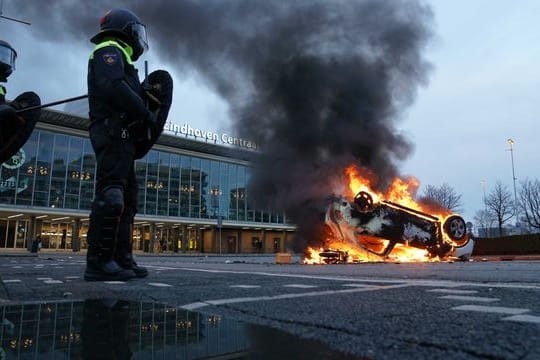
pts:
pixel 37 107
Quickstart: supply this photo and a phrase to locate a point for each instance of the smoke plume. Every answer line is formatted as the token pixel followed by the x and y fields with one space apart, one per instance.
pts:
pixel 319 84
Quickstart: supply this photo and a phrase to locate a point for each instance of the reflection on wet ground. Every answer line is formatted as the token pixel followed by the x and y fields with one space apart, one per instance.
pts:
pixel 116 329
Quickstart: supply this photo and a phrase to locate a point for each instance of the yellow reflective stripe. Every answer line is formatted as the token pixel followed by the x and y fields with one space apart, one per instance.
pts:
pixel 2 90
pixel 127 51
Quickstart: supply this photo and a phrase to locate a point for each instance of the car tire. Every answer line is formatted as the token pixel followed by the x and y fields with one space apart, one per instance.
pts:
pixel 363 202
pixel 456 229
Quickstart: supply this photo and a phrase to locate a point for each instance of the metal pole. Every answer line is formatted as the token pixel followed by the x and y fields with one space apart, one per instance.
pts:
pixel 52 103
pixel 511 143
pixel 483 185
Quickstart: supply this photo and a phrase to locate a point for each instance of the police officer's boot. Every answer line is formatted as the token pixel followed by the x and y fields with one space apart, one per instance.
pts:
pixel 124 246
pixel 100 264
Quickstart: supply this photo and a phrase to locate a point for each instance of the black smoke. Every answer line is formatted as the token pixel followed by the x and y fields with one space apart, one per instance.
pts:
pixel 319 84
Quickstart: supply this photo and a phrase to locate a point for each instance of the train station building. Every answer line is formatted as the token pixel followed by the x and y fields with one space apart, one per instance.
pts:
pixel 192 194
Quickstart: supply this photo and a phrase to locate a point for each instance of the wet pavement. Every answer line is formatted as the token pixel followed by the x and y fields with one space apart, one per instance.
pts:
pixel 459 310
pixel 119 329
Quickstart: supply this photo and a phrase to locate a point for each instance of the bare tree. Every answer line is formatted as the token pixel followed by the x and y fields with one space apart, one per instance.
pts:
pixel 444 195
pixel 484 220
pixel 529 199
pixel 500 204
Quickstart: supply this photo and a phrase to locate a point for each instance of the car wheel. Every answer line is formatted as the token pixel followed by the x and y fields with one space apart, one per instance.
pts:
pixel 455 228
pixel 363 201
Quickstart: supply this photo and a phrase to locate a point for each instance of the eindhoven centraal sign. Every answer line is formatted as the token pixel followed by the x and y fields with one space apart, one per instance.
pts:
pixel 224 138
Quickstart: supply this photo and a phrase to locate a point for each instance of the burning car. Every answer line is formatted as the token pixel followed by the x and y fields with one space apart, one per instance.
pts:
pixel 378 226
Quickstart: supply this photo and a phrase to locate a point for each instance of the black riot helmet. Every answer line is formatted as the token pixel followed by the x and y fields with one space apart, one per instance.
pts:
pixel 7 60
pixel 126 26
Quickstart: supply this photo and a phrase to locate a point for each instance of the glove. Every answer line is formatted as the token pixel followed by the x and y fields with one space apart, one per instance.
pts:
pixel 151 94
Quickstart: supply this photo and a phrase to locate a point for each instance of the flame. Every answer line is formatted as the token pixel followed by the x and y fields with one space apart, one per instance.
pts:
pixel 401 192
pixel 400 253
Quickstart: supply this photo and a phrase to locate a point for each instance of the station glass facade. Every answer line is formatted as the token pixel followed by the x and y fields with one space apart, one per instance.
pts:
pixel 54 175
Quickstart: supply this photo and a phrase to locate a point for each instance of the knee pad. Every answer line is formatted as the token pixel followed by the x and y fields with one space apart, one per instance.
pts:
pixel 113 200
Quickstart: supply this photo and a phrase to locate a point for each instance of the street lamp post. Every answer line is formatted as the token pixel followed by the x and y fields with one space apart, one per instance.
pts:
pixel 511 143
pixel 483 185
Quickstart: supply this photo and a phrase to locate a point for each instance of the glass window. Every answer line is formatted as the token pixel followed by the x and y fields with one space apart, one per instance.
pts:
pixel 27 171
pixel 162 185
pixel 174 185
pixel 224 189
pixel 87 176
pixel 8 185
pixel 140 175
pixel 196 185
pixel 43 169
pixel 241 193
pixel 152 167
pixel 186 188
pixel 209 189
pixel 233 192
pixel 58 171
pixel 251 213
pixel 74 173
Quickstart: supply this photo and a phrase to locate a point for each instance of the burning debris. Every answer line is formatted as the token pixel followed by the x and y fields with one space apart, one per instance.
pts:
pixel 370 227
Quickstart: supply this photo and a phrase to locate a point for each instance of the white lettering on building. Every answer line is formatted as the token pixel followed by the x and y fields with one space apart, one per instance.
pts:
pixel 188 130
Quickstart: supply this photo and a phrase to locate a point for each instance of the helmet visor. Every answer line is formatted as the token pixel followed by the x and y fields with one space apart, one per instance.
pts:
pixel 138 32
pixel 7 56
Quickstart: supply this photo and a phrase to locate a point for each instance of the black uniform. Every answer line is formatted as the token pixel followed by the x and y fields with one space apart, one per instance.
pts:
pixel 118 116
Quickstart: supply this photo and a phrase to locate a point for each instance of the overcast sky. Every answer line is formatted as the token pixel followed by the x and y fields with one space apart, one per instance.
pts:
pixel 482 90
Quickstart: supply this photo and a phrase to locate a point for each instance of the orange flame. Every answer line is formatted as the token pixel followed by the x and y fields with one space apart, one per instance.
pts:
pixel 400 191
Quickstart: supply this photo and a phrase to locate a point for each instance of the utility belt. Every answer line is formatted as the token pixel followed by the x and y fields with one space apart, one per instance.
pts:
pixel 119 127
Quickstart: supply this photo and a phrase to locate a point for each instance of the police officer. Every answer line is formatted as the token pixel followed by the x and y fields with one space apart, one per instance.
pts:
pixel 8 55
pixel 15 129
pixel 119 116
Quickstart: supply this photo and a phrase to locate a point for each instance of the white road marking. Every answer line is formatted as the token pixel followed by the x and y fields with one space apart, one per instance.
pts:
pixel 469 298
pixel 300 286
pixel 201 304
pixel 11 281
pixel 71 277
pixel 53 282
pixel 43 278
pixel 356 285
pixel 159 284
pixel 452 291
pixel 409 282
pixel 17 267
pixel 491 309
pixel 114 282
pixel 523 318
pixel 245 286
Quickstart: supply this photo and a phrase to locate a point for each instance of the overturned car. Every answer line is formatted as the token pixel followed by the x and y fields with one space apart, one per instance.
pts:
pixel 378 226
